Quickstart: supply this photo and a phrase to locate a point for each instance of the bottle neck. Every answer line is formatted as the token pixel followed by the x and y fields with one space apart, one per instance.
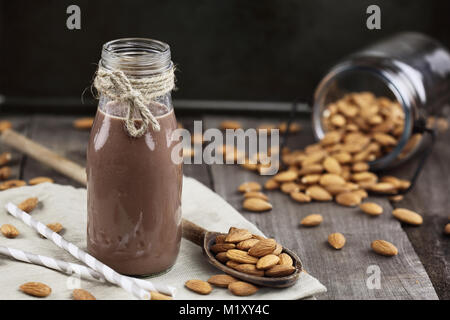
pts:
pixel 136 57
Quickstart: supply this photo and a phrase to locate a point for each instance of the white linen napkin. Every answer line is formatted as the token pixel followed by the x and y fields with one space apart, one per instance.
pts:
pixel 67 205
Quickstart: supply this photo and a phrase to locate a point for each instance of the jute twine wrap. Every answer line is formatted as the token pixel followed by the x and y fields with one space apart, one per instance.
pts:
pixel 137 93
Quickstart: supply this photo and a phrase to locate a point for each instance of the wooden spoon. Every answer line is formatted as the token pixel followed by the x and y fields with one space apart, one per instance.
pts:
pixel 191 231
pixel 206 239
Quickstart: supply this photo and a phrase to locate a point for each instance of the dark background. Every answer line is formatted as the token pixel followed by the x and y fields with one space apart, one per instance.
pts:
pixel 225 50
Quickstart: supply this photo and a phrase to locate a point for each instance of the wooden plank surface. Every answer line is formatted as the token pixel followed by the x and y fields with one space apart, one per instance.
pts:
pixel 343 272
pixel 430 198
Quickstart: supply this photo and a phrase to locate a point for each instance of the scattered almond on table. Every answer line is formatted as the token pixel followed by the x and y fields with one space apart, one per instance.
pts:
pixel 5 173
pixel 4 124
pixel 8 184
pixel 371 208
pixel 384 248
pixel 407 216
pixel 199 286
pixel 5 158
pixel 36 289
pixel 28 205
pixel 83 123
pixel 9 231
pixel 81 294
pixel 312 220
pixel 221 280
pixel 447 229
pixel 38 180
pixel 336 240
pixel 241 288
pixel 55 227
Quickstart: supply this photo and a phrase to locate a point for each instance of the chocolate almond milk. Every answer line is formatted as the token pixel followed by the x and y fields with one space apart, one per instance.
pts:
pixel 134 193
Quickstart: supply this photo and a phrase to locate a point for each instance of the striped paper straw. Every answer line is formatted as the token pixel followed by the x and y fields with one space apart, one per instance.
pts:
pixel 55 264
pixel 110 275
pixel 69 268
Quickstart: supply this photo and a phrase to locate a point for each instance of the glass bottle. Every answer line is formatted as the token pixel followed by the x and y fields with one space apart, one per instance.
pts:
pixel 134 186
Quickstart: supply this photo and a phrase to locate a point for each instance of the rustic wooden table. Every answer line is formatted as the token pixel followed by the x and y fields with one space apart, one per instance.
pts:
pixel 420 271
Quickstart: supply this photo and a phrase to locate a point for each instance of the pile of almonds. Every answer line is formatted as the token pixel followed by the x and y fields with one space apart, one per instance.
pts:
pixel 252 254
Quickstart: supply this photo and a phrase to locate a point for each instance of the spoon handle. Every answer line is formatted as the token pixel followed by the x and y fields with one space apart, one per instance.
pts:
pixel 193 232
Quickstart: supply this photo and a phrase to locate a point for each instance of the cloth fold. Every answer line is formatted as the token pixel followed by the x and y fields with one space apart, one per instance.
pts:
pixel 67 205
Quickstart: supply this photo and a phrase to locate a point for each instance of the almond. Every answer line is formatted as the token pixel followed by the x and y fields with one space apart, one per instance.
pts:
pixel 222 247
pixel 249 186
pixel 300 197
pixel 267 262
pixel 311 179
pixel 39 180
pixel 286 176
pixel 36 289
pixel 408 216
pixel 318 193
pixel 159 296
pixel 271 184
pixel 238 235
pixel 230 124
pixel 384 248
pixel 366 175
pixel 81 294
pixel 371 208
pixel 332 165
pixel 311 220
pixel 221 280
pixel 11 184
pixel 336 240
pixel 349 199
pixel 256 205
pixel 396 198
pixel 247 244
pixel 222 257
pixel 278 249
pixel 5 173
pixel 447 228
pixel 262 248
pixel 241 288
pixel 232 264
pixel 28 205
pixel 249 269
pixel 288 187
pixel 198 286
pixel 55 227
pixel 311 169
pixel 241 256
pixel 285 259
pixel 9 231
pixel 360 167
pixel 256 194
pixel 220 238
pixel 83 123
pixel 4 125
pixel 331 179
pixel 279 271
pixel 5 157
pixel 384 187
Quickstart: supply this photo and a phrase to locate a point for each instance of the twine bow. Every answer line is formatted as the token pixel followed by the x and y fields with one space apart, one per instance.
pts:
pixel 137 93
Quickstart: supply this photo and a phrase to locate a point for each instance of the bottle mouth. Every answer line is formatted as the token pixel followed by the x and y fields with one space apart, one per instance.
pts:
pixel 136 56
pixel 376 80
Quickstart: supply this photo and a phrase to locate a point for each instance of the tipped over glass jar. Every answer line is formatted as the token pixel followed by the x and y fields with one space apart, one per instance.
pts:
pixel 381 97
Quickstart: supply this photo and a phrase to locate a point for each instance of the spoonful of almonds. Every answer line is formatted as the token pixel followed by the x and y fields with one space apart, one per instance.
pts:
pixel 246 256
